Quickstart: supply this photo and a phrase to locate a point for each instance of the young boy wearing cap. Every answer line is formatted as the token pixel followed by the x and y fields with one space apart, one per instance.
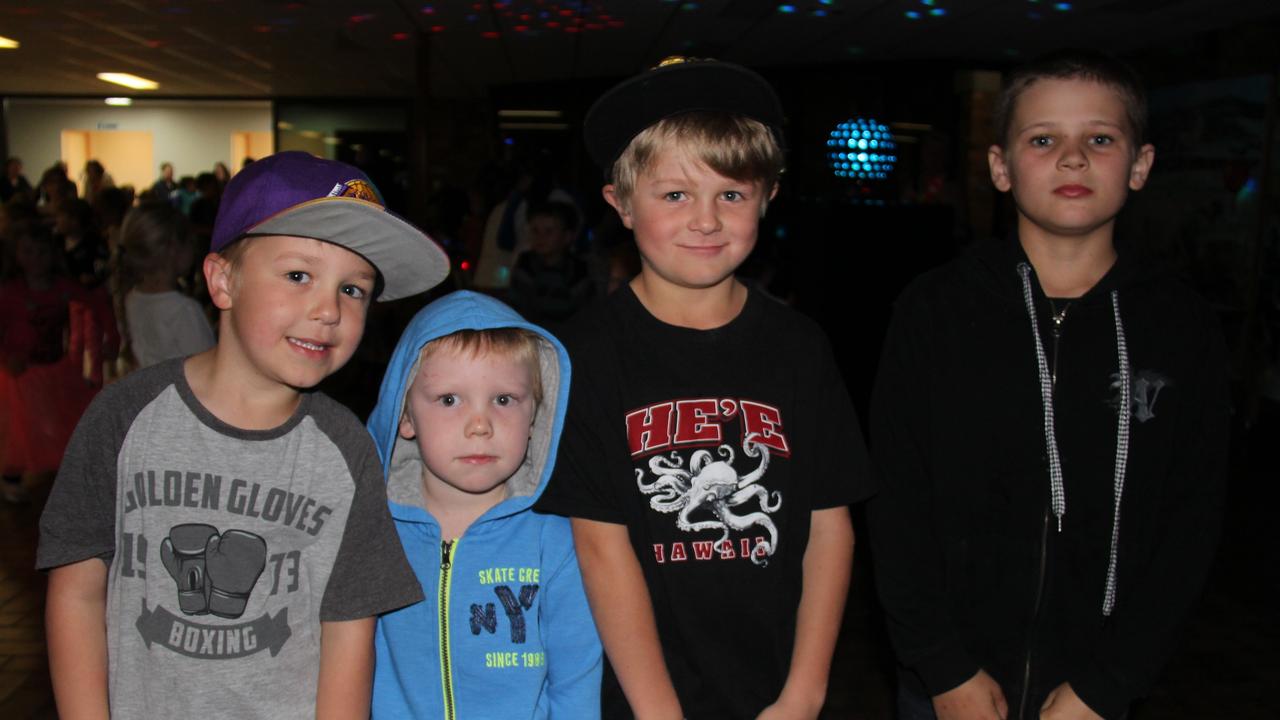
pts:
pixel 710 449
pixel 218 538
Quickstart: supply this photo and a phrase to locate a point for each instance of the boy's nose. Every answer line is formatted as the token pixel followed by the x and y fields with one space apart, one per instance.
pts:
pixel 1072 157
pixel 326 309
pixel 705 218
pixel 478 425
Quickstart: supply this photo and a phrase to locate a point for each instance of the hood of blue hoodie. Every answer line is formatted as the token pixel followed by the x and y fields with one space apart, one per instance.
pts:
pixel 401 459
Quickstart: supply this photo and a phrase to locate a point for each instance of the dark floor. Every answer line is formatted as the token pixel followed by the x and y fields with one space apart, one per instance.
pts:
pixel 1228 665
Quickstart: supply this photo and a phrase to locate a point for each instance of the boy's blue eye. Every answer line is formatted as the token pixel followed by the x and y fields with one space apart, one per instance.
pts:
pixel 1041 141
pixel 505 399
pixel 448 400
pixel 354 291
pixel 674 195
pixel 732 195
pixel 1102 140
pixel 297 276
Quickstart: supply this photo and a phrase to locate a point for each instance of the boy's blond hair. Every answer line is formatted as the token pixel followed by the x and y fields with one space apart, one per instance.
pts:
pixel 734 146
pixel 517 343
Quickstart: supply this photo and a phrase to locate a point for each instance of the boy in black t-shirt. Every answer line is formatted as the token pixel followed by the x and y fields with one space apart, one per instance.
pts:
pixel 710 449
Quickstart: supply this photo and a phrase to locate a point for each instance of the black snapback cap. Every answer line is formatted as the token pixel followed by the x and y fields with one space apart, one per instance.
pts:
pixel 676 85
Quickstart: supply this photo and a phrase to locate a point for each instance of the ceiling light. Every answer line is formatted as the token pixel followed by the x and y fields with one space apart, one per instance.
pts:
pixel 129 81
pixel 119 101
pixel 9 43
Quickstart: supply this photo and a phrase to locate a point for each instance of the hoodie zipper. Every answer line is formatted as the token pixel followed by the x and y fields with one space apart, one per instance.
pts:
pixel 1058 317
pixel 447 549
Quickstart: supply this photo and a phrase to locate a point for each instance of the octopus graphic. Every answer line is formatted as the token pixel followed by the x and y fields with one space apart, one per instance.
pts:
pixel 713 486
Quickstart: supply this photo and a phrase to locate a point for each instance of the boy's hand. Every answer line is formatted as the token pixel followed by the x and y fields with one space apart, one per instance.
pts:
pixel 978 698
pixel 790 709
pixel 1064 704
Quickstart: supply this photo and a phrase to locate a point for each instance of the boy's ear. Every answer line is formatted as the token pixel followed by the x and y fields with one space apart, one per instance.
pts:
pixel 407 430
pixel 611 196
pixel 999 169
pixel 1141 168
pixel 219 277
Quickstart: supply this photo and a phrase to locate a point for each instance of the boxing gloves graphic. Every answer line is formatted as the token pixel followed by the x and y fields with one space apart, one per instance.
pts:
pixel 215 573
pixel 233 563
pixel 183 556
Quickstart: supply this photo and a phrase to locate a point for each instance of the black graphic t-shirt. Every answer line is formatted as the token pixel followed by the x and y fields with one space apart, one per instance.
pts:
pixel 713 447
pixel 226 548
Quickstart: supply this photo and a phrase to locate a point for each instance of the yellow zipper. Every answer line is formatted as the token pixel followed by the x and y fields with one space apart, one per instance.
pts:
pixel 447 548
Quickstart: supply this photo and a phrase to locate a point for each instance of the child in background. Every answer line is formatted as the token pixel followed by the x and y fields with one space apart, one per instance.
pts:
pixel 158 320
pixel 1029 392
pixel 549 283
pixel 217 538
pixel 710 450
pixel 42 390
pixel 467 425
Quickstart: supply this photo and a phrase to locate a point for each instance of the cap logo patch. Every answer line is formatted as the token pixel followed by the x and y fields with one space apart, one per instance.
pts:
pixel 358 189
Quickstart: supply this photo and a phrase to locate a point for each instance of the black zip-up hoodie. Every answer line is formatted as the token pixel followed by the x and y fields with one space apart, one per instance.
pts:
pixel 969 420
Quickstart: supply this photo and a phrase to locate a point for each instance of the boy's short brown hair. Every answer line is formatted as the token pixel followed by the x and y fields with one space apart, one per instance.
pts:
pixel 733 145
pixel 1076 65
pixel 518 343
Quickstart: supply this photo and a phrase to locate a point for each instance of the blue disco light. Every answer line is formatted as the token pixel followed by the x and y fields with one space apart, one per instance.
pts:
pixel 849 142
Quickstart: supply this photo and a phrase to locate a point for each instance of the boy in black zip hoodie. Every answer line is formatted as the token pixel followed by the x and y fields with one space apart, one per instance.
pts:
pixel 1033 395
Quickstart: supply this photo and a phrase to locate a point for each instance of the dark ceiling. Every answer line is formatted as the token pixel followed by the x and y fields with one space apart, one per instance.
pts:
pixel 358 48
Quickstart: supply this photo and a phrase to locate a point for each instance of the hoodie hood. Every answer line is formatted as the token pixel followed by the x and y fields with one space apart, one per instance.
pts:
pixel 994 264
pixel 401 460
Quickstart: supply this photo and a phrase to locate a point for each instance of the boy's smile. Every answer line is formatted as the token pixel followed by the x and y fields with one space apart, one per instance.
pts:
pixel 693 226
pixel 1070 160
pixel 297 309
pixel 471 416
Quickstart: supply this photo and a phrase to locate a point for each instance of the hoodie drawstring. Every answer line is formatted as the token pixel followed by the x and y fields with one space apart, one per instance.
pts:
pixel 1058 501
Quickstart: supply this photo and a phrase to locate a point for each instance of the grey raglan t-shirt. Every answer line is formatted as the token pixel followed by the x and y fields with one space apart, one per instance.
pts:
pixel 226 548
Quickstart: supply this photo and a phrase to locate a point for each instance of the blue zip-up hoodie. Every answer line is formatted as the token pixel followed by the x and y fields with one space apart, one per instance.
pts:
pixel 504 631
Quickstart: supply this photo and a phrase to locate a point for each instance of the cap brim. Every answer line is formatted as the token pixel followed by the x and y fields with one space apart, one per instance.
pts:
pixel 408 260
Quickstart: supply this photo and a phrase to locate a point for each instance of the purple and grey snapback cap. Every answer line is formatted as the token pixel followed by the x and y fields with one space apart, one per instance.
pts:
pixel 296 193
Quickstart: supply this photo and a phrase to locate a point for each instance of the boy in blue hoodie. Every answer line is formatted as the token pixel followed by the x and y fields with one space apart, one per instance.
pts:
pixel 467 424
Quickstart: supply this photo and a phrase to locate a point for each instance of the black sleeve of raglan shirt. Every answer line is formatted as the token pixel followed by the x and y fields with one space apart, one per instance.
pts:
pixel 79 518
pixel 370 572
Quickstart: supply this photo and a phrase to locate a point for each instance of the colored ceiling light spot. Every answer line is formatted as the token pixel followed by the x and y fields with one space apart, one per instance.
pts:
pixel 566 13
pixel 786 9
pixel 819 13
pixel 428 10
pixel 9 43
pixel 437 28
pixel 1062 6
pixel 521 28
pixel 930 3
pixel 938 12
pixel 364 17
pixel 912 15
pixel 400 36
pixel 826 2
pixel 572 29
pixel 490 35
pixel 553 24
